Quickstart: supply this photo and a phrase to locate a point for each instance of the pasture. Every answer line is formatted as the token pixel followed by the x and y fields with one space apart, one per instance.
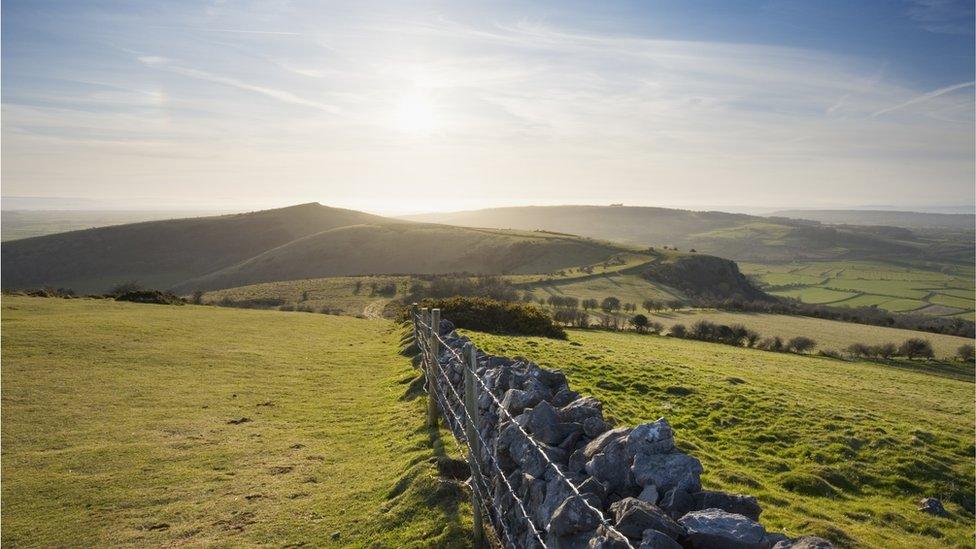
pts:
pixel 829 334
pixel 153 425
pixel 927 289
pixel 839 449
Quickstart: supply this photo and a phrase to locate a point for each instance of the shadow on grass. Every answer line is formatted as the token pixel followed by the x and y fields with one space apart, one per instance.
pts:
pixel 959 372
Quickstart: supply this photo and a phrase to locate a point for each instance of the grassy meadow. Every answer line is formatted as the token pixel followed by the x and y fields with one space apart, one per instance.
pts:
pixel 153 425
pixel 829 334
pixel 839 449
pixel 928 289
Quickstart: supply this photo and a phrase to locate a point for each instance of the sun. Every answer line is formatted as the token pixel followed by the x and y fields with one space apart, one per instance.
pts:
pixel 416 115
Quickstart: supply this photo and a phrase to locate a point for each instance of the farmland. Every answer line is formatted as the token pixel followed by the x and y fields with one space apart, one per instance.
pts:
pixel 152 425
pixel 836 448
pixel 829 334
pixel 943 291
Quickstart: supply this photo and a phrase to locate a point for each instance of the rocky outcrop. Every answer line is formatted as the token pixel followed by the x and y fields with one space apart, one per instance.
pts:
pixel 635 487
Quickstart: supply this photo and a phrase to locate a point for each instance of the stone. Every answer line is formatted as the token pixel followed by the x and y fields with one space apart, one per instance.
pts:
pixel 633 516
pixel 746 506
pixel 557 491
pixel 772 538
pixel 553 379
pixel 517 400
pixel 572 517
pixel 649 494
pixel 653 539
pixel 717 529
pixel 610 468
pixel 805 542
pixel 446 327
pixel 932 506
pixel 605 541
pixel 599 443
pixel 564 397
pixel 594 491
pixel 595 426
pixel 677 502
pixel 668 471
pixel 580 409
pixel 543 424
pixel 651 438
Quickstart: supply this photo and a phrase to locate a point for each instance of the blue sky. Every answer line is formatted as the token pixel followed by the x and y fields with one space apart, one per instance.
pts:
pixel 410 106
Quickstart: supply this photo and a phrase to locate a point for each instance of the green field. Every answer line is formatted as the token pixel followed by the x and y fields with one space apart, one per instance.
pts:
pixel 829 334
pixel 839 449
pixel 944 291
pixel 122 426
pixel 630 288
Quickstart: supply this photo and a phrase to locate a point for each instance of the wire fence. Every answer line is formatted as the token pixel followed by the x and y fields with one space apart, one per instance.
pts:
pixel 461 416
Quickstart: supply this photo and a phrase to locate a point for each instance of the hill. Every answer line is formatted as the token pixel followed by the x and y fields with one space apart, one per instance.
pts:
pixel 840 449
pixel 305 241
pixel 400 247
pixel 17 224
pixel 908 220
pixel 734 236
pixel 265 429
pixel 161 253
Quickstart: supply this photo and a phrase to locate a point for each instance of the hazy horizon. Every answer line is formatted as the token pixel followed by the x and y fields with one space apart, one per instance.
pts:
pixel 441 107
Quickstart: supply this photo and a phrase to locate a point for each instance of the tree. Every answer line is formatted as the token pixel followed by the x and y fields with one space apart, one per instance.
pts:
pixel 916 347
pixel 197 297
pixel 589 304
pixel 651 305
pixel 966 353
pixel 610 304
pixel 639 322
pixel 801 344
pixel 858 350
pixel 885 350
pixel 678 330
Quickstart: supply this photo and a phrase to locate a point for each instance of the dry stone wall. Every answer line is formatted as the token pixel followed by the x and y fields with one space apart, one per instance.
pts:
pixel 631 486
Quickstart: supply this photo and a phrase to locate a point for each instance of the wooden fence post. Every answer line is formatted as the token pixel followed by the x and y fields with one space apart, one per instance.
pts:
pixel 435 323
pixel 471 433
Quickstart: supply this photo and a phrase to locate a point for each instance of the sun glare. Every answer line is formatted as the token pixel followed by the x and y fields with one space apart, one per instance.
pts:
pixel 415 115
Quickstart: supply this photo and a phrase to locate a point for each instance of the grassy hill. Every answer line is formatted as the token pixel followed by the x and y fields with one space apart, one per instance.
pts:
pixel 153 425
pixel 304 241
pixel 734 236
pixel 844 450
pixel 17 224
pixel 161 253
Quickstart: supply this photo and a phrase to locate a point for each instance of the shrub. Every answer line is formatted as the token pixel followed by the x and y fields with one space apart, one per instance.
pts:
pixel 124 288
pixel 639 322
pixel 966 353
pixel 830 353
pixel 589 304
pixel 491 287
pixel 885 350
pixel 197 298
pixel 499 317
pixel 916 347
pixel 858 350
pixel 655 327
pixel 678 330
pixel 150 296
pixel 801 344
pixel 774 343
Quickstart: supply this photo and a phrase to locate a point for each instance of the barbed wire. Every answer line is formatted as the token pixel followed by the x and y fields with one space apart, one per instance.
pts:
pixel 511 491
pixel 559 474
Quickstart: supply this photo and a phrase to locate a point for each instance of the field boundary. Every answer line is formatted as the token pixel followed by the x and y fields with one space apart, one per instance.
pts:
pixel 548 471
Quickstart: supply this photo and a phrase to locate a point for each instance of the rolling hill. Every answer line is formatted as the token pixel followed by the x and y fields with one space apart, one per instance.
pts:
pixel 304 241
pixel 908 220
pixel 735 236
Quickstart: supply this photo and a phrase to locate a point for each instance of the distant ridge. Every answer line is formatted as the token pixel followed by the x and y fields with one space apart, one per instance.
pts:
pixel 893 218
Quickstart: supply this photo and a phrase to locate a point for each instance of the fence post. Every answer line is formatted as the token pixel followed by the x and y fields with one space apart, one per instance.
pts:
pixel 435 323
pixel 471 433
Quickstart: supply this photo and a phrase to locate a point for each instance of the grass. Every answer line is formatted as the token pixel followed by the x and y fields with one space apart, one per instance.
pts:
pixel 829 334
pixel 630 288
pixel 337 293
pixel 151 425
pixel 946 291
pixel 838 449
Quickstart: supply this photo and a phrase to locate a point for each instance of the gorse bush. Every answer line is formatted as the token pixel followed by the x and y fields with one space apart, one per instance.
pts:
pixel 497 317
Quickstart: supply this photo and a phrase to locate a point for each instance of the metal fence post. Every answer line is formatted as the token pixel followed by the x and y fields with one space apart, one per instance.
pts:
pixel 435 323
pixel 470 355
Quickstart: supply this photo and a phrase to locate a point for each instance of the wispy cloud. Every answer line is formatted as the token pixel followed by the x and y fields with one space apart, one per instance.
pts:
pixel 943 16
pixel 927 96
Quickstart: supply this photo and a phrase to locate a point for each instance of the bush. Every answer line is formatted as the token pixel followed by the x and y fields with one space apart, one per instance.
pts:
pixel 774 343
pixel 150 296
pixel 197 298
pixel 610 304
pixel 256 303
pixel 124 288
pixel 916 347
pixel 858 350
pixel 445 286
pixel 966 353
pixel 801 344
pixel 640 323
pixel 678 330
pixel 497 317
pixel 830 353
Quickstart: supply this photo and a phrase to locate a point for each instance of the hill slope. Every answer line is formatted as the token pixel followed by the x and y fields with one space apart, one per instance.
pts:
pixel 909 220
pixel 161 253
pixel 735 236
pixel 408 248
pixel 112 439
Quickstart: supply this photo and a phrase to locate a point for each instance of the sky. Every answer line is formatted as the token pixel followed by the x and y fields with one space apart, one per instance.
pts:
pixel 403 107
